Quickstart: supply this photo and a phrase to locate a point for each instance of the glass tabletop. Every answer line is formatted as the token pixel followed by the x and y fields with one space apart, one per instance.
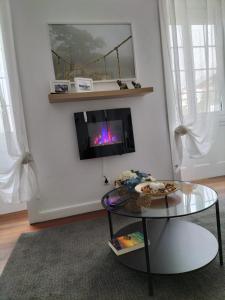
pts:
pixel 188 199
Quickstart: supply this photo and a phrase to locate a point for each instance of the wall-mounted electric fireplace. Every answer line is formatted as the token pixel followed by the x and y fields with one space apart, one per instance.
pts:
pixel 104 132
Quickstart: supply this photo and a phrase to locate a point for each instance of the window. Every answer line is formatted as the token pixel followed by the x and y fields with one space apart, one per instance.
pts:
pixel 204 54
pixel 6 108
pixel 5 114
pixel 198 72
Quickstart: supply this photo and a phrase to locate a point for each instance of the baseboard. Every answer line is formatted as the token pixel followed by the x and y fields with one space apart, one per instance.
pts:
pixel 65 211
pixel 7 208
pixel 201 171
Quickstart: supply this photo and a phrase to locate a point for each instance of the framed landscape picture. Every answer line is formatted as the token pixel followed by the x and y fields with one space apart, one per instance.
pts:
pixel 97 51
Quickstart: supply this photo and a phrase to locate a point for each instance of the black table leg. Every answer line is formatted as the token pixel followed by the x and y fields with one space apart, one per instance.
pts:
pixel 167 205
pixel 219 232
pixel 150 285
pixel 110 224
pixel 166 199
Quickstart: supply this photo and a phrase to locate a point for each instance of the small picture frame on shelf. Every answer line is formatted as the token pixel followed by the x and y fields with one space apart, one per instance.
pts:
pixel 60 86
pixel 72 87
pixel 83 84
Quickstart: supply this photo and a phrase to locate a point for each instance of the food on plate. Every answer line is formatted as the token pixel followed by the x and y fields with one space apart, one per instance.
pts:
pixel 156 185
pixel 158 188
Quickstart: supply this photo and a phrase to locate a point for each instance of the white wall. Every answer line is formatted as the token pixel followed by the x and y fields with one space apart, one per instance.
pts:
pixel 68 185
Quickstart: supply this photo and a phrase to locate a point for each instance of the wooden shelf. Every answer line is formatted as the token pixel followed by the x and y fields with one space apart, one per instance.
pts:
pixel 97 95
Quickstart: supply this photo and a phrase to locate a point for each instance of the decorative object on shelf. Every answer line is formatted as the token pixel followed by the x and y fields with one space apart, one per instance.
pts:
pixel 132 178
pixel 60 86
pixel 122 85
pixel 83 84
pixel 136 85
pixel 100 51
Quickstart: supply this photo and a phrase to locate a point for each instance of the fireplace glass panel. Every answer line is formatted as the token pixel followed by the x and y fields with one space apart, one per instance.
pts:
pixel 105 133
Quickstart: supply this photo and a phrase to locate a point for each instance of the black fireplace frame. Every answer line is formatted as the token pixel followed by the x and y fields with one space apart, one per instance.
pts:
pixel 81 122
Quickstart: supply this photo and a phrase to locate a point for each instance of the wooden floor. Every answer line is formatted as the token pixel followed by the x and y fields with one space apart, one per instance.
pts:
pixel 12 225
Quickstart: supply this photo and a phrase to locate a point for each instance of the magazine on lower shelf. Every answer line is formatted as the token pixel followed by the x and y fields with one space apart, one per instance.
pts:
pixel 127 243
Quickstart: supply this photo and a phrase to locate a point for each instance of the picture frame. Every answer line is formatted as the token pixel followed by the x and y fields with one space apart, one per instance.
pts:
pixel 105 53
pixel 72 87
pixel 83 84
pixel 60 86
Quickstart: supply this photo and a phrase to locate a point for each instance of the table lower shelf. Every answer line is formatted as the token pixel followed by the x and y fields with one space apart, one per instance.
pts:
pixel 175 247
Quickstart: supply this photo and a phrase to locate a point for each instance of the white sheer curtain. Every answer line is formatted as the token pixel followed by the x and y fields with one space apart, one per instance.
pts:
pixel 192 41
pixel 17 178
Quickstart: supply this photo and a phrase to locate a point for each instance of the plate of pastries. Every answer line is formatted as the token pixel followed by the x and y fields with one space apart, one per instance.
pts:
pixel 156 188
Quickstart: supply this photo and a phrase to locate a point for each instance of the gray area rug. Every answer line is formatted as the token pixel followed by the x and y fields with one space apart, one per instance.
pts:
pixel 73 262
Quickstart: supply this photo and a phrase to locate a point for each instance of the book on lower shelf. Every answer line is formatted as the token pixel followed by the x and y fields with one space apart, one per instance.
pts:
pixel 127 243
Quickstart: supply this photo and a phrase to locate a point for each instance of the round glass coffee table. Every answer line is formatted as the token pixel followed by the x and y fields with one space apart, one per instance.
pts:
pixel 172 246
